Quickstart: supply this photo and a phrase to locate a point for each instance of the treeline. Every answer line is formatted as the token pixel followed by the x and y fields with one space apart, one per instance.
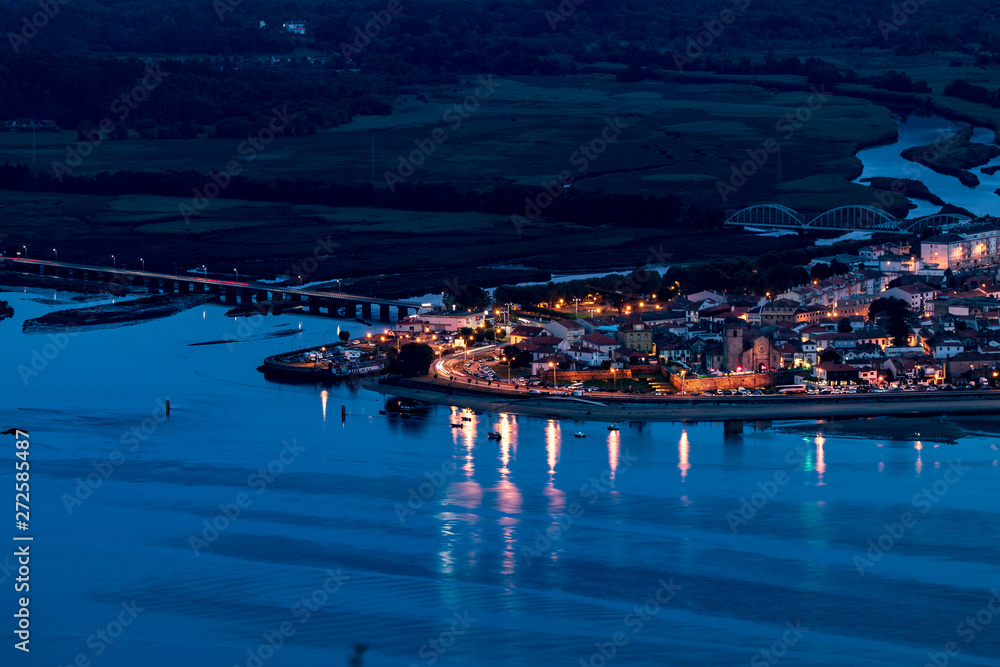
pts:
pixel 577 205
pixel 971 92
pixel 73 89
pixel 771 273
pixel 503 36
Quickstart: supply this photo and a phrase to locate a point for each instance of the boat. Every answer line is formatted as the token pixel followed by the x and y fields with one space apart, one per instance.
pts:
pixel 579 434
pixel 493 435
pixel 457 425
pixel 381 412
pixel 467 419
pixel 612 427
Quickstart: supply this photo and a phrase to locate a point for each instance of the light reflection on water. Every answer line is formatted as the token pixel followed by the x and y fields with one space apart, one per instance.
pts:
pixel 462 546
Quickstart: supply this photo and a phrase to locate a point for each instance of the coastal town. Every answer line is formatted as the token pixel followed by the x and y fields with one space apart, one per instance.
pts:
pixel 894 317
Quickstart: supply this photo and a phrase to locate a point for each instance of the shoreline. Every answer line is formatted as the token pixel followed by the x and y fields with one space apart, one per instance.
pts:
pixel 693 409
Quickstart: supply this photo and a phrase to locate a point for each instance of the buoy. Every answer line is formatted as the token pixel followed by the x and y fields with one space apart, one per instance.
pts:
pixel 167 406
pixel 343 410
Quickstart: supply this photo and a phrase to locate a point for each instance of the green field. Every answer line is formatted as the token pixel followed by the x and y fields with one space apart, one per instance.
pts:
pixel 681 139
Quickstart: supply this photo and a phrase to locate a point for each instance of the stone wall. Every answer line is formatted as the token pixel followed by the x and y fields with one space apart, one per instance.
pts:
pixel 582 376
pixel 751 381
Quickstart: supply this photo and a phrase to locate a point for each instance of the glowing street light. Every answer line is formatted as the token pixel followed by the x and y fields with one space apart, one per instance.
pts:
pixel 553 367
pixel 114 262
pixel 143 263
pixel 56 253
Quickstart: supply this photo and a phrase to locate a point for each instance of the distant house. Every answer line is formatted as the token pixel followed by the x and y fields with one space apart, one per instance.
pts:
pixel 836 373
pixel 567 329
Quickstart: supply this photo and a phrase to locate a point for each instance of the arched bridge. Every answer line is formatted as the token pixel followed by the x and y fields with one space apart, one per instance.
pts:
pixel 842 218
pixel 332 304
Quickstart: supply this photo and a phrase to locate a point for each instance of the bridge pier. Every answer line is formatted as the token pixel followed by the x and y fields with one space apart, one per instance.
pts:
pixel 366 312
pixel 383 313
pixel 401 312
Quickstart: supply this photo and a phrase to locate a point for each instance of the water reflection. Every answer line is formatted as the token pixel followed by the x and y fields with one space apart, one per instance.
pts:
pixel 323 396
pixel 920 463
pixel 820 460
pixel 683 448
pixel 508 496
pixel 614 446
pixel 553 442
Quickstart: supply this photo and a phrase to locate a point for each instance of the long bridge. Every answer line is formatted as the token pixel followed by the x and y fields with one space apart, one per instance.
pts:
pixel 332 304
pixel 842 218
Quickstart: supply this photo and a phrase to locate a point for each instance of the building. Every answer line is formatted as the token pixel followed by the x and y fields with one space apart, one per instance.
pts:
pixel 963 249
pixel 636 335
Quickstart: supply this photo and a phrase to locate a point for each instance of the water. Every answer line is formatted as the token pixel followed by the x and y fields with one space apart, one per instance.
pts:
pixel 916 130
pixel 543 545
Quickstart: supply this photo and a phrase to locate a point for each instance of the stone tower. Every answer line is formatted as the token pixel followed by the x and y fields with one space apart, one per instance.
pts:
pixel 732 343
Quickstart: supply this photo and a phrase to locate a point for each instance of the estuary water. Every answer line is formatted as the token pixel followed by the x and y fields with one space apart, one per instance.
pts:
pixel 914 130
pixel 256 526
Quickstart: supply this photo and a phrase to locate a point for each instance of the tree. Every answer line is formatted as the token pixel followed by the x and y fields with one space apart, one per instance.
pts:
pixel 844 325
pixel 345 336
pixel 413 359
pixel 467 297
pixel 830 354
pixel 895 316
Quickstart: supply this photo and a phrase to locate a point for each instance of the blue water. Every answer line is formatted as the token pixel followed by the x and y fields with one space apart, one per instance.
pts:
pixel 630 516
pixel 886 160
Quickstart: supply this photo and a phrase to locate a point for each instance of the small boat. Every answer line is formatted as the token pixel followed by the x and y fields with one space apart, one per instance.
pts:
pixel 467 419
pixel 613 427
pixel 381 412
pixel 477 412
pixel 579 434
pixel 493 435
pixel 457 425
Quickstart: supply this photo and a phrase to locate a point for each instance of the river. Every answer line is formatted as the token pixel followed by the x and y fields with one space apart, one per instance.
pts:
pixel 255 517
pixel 915 130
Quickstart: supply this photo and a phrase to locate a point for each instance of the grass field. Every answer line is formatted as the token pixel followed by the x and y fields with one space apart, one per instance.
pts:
pixel 530 129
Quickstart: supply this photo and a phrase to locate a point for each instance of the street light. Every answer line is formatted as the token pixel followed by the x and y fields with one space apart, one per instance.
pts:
pixel 553 367
pixel 614 377
pixel 505 359
pixel 143 263
pixel 56 252
pixel 25 251
pixel 114 261
pixel 237 274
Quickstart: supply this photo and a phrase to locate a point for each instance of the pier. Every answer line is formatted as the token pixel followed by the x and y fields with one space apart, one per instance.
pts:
pixel 316 302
